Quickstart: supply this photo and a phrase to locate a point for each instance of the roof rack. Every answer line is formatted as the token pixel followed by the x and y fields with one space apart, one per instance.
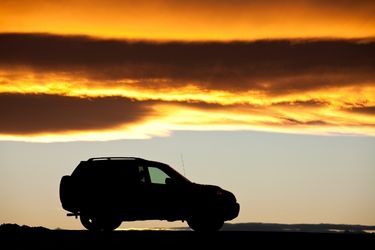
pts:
pixel 113 158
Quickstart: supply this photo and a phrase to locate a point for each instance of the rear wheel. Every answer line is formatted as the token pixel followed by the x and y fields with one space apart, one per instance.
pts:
pixel 90 222
pixel 99 223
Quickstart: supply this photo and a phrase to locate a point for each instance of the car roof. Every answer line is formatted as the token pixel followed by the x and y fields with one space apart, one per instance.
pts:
pixel 114 158
pixel 121 158
pixel 85 165
pixel 110 159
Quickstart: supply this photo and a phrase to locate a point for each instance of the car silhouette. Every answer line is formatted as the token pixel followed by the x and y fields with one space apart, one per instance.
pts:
pixel 106 191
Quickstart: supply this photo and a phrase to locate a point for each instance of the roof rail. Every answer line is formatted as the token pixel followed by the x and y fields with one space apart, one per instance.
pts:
pixel 113 158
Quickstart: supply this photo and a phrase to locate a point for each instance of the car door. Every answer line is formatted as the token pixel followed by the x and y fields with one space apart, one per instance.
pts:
pixel 161 195
pixel 137 193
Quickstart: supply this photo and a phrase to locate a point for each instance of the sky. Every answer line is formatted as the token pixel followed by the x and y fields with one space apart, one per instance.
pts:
pixel 273 100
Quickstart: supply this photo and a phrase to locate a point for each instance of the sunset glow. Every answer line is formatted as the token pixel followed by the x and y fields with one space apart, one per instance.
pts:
pixel 272 100
pixel 291 66
pixel 201 20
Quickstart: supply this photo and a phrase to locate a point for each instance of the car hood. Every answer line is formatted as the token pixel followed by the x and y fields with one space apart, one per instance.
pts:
pixel 207 187
pixel 212 190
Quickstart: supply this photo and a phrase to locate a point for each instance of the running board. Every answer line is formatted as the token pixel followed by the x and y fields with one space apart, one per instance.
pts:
pixel 73 214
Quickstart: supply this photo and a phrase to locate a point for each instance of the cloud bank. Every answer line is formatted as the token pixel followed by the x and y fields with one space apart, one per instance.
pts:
pixel 272 66
pixel 55 83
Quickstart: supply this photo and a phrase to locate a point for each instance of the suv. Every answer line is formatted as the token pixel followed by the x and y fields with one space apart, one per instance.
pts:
pixel 108 190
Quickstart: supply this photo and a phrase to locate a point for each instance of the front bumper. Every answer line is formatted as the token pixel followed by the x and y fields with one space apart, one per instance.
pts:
pixel 232 211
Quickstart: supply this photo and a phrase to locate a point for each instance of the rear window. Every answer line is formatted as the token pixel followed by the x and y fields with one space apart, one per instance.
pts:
pixel 120 171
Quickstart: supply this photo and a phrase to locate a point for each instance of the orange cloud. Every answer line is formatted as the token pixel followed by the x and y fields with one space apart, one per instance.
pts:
pixel 62 118
pixel 192 20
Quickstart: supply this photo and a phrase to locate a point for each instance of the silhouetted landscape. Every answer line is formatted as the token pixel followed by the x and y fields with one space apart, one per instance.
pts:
pixel 251 226
pixel 232 235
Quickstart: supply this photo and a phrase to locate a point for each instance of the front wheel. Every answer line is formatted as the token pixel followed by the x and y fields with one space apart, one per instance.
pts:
pixel 99 223
pixel 205 224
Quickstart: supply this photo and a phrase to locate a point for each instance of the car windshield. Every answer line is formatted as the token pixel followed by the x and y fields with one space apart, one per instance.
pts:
pixel 173 173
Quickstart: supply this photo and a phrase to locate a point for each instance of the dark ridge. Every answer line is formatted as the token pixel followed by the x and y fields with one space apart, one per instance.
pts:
pixel 312 228
pixel 9 227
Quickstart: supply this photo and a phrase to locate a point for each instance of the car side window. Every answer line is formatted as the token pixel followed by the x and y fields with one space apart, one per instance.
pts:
pixel 142 174
pixel 157 176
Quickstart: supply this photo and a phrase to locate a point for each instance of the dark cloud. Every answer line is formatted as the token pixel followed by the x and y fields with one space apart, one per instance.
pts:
pixel 369 110
pixel 29 114
pixel 309 103
pixel 270 65
pixel 292 121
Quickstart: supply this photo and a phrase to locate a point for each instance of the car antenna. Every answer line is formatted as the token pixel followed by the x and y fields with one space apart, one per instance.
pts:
pixel 183 165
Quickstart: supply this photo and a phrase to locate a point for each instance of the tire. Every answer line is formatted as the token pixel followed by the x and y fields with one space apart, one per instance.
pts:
pixel 205 224
pixel 99 223
pixel 111 224
pixel 90 222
